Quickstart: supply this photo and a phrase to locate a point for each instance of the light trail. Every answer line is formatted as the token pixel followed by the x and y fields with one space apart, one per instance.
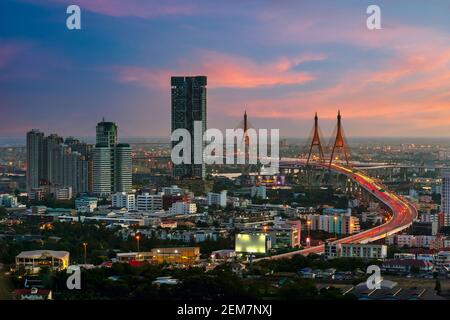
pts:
pixel 403 212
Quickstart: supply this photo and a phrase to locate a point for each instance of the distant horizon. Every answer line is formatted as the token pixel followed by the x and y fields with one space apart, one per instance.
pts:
pixel 21 141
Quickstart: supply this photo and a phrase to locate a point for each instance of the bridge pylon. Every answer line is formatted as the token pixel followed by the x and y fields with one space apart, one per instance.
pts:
pixel 315 142
pixel 339 145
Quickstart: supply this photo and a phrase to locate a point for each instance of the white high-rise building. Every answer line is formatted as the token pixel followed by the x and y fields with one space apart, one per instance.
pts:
pixel 123 168
pixel 149 202
pixel 102 171
pixel 124 200
pixel 445 196
pixel 112 162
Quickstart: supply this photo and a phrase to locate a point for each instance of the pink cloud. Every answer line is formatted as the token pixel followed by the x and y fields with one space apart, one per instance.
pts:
pixel 225 71
pixel 407 94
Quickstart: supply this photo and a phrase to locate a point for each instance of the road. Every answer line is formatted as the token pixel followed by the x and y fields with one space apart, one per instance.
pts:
pixel 403 213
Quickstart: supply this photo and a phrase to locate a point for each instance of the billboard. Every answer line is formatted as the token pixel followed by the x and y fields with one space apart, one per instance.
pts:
pixel 249 242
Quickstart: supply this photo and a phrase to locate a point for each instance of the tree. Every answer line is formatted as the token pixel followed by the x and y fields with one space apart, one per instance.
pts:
pixel 3 212
pixel 437 287
pixel 298 290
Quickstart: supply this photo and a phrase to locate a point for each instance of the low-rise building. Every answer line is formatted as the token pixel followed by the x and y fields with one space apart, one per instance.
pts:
pixel 173 190
pixel 124 200
pixel 183 208
pixel 352 250
pixel 442 261
pixel 175 255
pixel 149 202
pixel 218 199
pixel 86 204
pixel 33 261
pixel 63 193
pixel 406 265
pixel 223 255
pixel 8 201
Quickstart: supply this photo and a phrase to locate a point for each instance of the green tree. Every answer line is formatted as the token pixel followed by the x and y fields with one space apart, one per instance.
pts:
pixel 3 212
pixel 437 287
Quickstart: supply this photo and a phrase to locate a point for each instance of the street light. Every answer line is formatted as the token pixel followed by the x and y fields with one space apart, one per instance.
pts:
pixel 335 226
pixel 138 237
pixel 85 248
pixel 308 240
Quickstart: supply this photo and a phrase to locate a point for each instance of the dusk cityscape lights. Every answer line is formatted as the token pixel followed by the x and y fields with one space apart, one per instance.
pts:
pixel 222 158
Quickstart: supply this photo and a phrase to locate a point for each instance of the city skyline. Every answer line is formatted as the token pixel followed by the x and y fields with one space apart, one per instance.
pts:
pixel 279 62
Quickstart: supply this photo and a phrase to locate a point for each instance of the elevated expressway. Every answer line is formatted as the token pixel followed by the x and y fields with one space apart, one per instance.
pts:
pixel 403 212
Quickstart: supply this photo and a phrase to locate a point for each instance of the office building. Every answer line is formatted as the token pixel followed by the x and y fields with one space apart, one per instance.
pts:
pixel 53 168
pixel 102 171
pixel 189 106
pixel 217 199
pixel 112 163
pixel 149 202
pixel 86 204
pixel 338 223
pixel 52 164
pixel 183 208
pixel 353 250
pixel 35 159
pixel 172 190
pixel 63 193
pixel 445 198
pixel 104 154
pixel 124 200
pixel 123 168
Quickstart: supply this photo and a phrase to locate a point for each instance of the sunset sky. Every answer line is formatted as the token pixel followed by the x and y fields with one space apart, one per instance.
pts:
pixel 279 60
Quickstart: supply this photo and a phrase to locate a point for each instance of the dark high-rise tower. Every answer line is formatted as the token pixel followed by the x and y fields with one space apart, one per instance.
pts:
pixel 35 159
pixel 188 106
pixel 123 168
pixel 104 164
pixel 54 164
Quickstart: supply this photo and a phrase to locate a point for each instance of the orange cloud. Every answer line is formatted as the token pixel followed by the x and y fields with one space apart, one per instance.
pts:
pixel 225 71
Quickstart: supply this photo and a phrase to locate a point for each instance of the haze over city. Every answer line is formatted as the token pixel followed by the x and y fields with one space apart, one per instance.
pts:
pixel 279 61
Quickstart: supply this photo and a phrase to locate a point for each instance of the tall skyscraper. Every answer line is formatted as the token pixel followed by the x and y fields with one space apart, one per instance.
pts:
pixel 445 196
pixel 54 164
pixel 189 105
pixel 102 171
pixel 87 151
pixel 106 137
pixel 123 168
pixel 50 143
pixel 106 140
pixel 35 158
pixel 112 165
